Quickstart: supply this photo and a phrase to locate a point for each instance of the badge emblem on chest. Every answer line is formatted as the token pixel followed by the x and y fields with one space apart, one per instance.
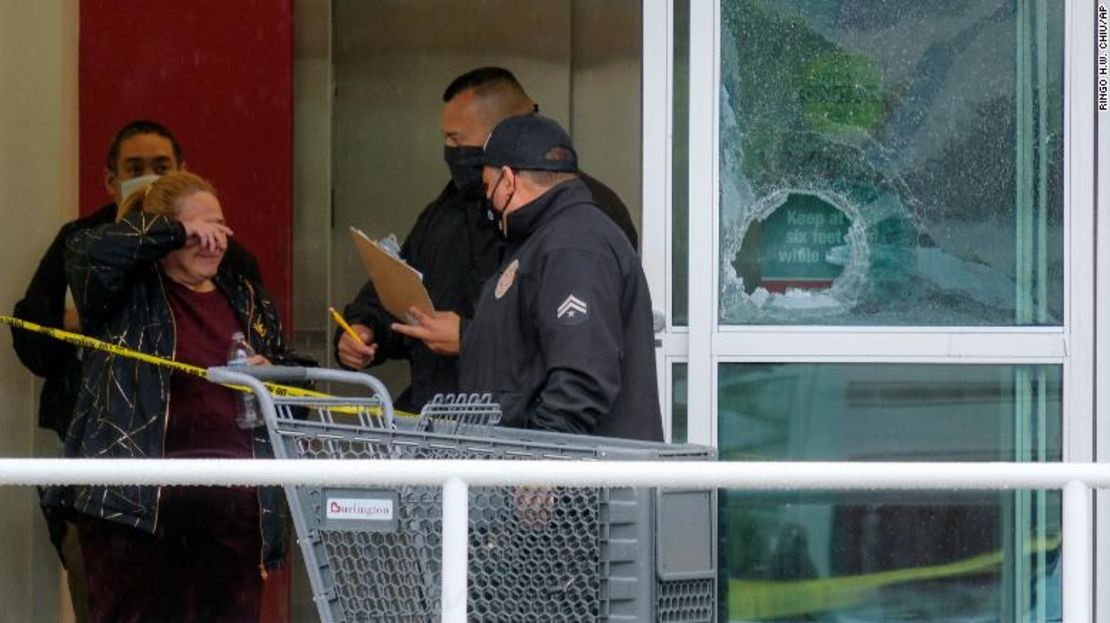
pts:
pixel 508 276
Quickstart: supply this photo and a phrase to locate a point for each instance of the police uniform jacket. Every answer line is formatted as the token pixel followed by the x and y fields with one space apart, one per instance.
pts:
pixel 456 245
pixel 562 335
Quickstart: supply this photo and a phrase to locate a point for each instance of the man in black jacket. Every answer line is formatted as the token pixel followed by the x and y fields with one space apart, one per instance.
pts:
pixel 139 152
pixel 562 335
pixel 455 244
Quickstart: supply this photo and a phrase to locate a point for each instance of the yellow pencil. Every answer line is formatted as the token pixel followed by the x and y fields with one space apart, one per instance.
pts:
pixel 343 323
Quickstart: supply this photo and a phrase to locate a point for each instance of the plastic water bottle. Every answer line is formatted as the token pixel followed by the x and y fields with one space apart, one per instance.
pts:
pixel 237 356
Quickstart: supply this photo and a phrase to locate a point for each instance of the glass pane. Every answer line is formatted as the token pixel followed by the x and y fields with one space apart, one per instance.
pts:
pixel 680 165
pixel 678 404
pixel 891 163
pixel 921 556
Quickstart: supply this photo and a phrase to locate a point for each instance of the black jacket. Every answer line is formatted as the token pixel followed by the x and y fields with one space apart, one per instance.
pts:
pixel 44 303
pixel 123 403
pixel 563 333
pixel 457 245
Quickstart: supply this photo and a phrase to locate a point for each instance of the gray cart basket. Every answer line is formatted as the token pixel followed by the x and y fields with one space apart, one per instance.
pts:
pixel 535 554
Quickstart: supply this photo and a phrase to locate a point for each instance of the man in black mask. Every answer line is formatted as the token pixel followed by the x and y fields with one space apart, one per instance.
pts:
pixel 456 243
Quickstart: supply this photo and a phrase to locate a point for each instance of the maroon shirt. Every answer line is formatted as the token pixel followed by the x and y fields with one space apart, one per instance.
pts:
pixel 202 414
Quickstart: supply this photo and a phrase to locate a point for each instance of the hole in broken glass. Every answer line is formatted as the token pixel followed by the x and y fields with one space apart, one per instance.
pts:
pixel 799 245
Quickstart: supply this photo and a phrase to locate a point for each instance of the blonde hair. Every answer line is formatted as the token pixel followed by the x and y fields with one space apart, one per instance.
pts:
pixel 164 194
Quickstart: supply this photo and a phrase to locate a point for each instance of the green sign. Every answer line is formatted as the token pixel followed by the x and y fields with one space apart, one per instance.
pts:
pixel 795 241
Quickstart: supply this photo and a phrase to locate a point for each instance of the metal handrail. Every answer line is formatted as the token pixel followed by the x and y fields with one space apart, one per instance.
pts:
pixel 455 476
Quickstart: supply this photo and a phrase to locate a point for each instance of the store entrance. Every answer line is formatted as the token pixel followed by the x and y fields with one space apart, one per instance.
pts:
pixel 390 63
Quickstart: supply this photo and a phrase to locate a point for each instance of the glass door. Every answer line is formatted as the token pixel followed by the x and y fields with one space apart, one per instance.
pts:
pixel 870 245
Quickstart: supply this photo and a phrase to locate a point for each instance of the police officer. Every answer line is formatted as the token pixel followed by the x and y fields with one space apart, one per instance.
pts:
pixel 562 333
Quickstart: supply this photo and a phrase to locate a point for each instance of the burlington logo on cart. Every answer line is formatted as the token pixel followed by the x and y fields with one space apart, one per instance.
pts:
pixel 355 510
pixel 342 508
pixel 572 311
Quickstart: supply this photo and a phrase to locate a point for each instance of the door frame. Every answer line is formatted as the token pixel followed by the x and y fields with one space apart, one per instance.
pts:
pixel 703 344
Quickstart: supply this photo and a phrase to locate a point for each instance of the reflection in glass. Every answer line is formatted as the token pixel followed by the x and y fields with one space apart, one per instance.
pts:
pixel 921 556
pixel 679 420
pixel 891 163
pixel 680 165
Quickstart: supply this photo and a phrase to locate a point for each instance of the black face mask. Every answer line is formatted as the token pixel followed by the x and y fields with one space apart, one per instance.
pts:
pixel 494 213
pixel 465 164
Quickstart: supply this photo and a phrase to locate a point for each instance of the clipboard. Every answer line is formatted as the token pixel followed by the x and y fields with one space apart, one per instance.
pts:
pixel 399 286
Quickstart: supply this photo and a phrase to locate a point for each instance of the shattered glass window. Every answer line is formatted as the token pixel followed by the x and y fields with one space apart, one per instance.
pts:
pixel 891 163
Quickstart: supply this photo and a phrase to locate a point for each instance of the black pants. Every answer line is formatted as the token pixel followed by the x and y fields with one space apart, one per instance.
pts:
pixel 202 563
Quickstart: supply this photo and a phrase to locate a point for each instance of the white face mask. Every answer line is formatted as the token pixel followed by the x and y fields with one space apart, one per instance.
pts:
pixel 129 186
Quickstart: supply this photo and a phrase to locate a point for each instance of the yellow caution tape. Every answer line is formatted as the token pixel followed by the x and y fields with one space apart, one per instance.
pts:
pixel 85 341
pixel 756 600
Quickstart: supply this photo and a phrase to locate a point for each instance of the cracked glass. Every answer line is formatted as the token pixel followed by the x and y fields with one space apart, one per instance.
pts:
pixel 891 163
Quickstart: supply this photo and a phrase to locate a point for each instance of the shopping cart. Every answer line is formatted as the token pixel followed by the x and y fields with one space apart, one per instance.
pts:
pixel 535 554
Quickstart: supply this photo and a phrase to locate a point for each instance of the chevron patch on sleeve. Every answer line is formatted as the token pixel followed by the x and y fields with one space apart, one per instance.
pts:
pixel 571 311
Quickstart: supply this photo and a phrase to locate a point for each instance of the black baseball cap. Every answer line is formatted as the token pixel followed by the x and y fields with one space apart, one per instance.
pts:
pixel 522 143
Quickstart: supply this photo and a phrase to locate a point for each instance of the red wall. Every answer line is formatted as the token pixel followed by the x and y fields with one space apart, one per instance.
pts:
pixel 219 75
